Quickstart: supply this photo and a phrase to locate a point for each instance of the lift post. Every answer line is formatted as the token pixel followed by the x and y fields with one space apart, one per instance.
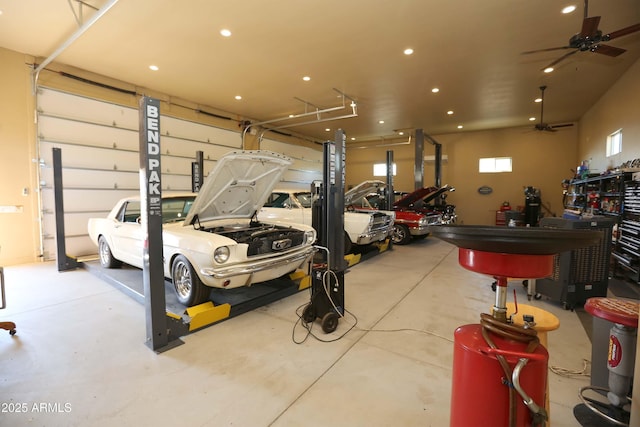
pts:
pixel 151 220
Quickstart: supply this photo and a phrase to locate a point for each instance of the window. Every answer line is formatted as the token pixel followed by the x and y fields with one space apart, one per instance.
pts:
pixel 614 143
pixel 380 169
pixel 495 165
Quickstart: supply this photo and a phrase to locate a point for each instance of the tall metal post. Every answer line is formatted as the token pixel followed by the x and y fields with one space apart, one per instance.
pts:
pixel 151 220
pixel 438 166
pixel 389 196
pixel 418 168
pixel 64 262
pixel 197 174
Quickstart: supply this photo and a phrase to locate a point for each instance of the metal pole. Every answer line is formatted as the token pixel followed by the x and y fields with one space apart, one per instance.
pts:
pixel 64 262
pixel 418 167
pixel 151 223
pixel 389 195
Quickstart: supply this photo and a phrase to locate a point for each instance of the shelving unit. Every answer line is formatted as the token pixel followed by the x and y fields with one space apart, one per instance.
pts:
pixel 599 195
pixel 626 253
pixel 616 195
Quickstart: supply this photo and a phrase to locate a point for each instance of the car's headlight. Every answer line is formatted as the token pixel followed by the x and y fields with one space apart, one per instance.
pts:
pixel 310 237
pixel 423 221
pixel 221 254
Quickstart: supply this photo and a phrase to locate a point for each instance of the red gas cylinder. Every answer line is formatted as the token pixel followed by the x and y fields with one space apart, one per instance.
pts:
pixel 480 389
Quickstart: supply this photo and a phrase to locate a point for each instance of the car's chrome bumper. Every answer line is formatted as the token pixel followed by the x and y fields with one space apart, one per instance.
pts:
pixel 374 236
pixel 420 230
pixel 257 266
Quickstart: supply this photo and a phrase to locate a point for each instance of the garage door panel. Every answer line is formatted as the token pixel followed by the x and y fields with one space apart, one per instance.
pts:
pixel 80 156
pixel 78 107
pixel 86 133
pixel 204 134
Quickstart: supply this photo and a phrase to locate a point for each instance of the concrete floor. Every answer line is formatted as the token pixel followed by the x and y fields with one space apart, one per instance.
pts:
pixel 79 357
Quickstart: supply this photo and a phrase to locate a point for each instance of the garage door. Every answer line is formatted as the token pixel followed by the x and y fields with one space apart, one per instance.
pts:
pixel 99 144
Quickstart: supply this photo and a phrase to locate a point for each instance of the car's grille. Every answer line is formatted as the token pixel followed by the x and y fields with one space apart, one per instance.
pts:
pixel 380 220
pixel 275 240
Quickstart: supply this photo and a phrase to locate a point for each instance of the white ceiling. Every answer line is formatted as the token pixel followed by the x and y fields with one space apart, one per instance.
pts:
pixel 471 50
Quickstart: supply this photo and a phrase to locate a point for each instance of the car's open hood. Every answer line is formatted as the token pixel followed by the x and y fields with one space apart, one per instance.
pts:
pixel 361 190
pixel 238 185
pixel 425 194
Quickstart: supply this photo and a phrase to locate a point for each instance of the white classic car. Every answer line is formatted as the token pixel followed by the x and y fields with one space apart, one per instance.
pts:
pixel 212 239
pixel 288 205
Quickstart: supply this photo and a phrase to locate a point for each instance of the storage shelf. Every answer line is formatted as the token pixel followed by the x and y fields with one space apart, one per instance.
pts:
pixel 626 251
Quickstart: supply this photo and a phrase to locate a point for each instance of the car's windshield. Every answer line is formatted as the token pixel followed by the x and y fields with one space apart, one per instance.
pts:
pixel 304 199
pixel 175 209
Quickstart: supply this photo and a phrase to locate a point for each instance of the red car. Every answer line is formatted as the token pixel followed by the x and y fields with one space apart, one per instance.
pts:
pixel 408 223
pixel 429 200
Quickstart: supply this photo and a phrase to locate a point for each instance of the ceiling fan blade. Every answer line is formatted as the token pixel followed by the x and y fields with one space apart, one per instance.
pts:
pixel 623 32
pixel 605 49
pixel 564 125
pixel 563 57
pixel 590 27
pixel 546 50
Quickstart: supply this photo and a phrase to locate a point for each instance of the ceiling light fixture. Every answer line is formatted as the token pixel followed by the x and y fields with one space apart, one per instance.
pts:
pixel 306 78
pixel 537 100
pixel 238 97
pixel 450 112
pixel 400 133
pixel 381 122
pixel 459 126
pixel 153 67
pixel 568 9
pixel 435 90
pixel 408 51
pixel 225 33
pixel 327 129
pixel 548 70
pixel 531 119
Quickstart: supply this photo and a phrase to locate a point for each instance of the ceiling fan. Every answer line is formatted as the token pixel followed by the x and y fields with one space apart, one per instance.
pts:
pixel 542 126
pixel 590 38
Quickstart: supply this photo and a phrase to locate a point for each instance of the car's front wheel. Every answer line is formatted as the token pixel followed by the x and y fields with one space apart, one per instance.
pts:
pixel 106 256
pixel 400 235
pixel 189 288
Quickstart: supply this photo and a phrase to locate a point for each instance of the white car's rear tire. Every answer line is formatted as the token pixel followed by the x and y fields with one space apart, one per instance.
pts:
pixel 189 289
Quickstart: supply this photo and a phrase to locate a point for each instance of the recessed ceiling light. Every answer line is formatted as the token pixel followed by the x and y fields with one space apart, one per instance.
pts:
pixel 327 129
pixel 225 33
pixel 548 70
pixel 353 138
pixel 238 97
pixel 435 90
pixel 459 126
pixel 381 121
pixel 153 67
pixel 408 51
pixel 306 78
pixel 568 9
pixel 537 100
pixel 450 112
pixel 531 119
pixel 400 133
